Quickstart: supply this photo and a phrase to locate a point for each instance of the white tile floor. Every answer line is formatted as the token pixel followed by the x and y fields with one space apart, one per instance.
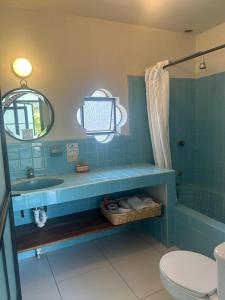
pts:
pixel 118 267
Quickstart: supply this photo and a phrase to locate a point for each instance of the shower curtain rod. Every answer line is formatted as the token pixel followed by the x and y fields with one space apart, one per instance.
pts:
pixel 194 55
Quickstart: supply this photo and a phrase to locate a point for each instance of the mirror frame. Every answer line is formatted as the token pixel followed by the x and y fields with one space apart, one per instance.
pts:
pixel 49 127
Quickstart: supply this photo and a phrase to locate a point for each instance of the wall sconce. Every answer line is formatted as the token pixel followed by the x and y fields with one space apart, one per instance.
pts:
pixel 22 68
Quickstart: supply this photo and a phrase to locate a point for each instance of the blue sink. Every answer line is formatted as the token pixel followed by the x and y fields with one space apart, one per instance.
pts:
pixel 35 184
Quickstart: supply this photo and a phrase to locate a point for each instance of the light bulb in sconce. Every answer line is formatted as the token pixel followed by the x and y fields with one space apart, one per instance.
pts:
pixel 22 67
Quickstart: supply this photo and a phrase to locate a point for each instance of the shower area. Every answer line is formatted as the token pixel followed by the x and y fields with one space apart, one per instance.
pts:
pixel 197 130
pixel 199 148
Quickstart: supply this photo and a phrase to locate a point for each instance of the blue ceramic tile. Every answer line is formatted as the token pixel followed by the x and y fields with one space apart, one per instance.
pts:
pixel 37 150
pixel 13 154
pixel 14 165
pixel 25 163
pixel 25 151
pixel 38 163
pixel 196 232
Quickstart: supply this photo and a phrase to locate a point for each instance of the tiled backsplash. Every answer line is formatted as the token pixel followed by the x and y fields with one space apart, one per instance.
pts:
pixel 135 148
pixel 37 155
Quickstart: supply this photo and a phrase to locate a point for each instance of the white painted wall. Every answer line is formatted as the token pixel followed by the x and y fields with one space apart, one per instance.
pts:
pixel 72 56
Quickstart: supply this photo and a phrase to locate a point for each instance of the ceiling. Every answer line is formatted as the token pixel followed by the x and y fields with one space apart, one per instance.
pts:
pixel 175 15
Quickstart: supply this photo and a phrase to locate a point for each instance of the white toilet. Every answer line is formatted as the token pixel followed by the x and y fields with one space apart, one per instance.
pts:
pixel 188 275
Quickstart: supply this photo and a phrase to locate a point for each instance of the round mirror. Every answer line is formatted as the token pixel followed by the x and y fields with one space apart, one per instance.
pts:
pixel 28 115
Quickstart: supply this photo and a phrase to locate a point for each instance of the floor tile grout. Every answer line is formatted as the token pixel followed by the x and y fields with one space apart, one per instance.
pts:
pixel 54 277
pixel 82 273
pixel 152 294
pixel 152 248
pixel 117 272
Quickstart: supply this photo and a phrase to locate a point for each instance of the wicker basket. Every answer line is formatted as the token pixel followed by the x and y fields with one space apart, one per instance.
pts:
pixel 132 216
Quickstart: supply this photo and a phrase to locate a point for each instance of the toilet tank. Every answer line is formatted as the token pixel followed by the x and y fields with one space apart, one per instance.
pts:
pixel 219 254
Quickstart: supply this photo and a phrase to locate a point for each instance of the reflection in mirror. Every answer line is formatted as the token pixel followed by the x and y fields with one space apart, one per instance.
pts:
pixel 28 115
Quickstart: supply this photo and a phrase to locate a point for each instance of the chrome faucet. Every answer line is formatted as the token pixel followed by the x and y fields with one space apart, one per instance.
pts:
pixel 30 172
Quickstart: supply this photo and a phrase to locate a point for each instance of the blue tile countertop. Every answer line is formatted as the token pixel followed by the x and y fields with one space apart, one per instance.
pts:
pixel 94 183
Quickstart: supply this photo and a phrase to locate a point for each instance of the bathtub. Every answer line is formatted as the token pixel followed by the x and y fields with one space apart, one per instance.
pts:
pixel 199 218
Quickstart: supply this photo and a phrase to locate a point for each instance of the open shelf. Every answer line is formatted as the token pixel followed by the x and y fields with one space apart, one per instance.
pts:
pixel 60 229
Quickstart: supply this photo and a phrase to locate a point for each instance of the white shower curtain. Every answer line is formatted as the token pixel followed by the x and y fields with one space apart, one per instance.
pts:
pixel 157 93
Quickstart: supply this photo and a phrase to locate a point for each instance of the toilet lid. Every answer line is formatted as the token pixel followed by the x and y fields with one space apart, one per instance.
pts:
pixel 192 271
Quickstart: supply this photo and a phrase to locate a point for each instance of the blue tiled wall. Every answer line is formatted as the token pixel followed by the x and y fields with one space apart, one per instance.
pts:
pixel 204 199
pixel 121 150
pixel 200 222
pixel 197 110
pixel 210 132
pixel 182 105
pixel 57 210
pixel 197 116
pixel 205 161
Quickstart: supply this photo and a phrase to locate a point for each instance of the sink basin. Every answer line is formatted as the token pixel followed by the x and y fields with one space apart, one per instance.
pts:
pixel 35 184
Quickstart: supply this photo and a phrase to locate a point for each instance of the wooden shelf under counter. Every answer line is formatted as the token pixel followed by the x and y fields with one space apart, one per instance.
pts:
pixel 60 229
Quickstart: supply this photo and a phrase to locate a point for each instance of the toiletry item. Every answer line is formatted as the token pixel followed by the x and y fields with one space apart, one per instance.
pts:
pixel 81 168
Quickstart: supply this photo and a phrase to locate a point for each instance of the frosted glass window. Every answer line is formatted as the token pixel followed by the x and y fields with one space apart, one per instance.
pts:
pixel 99 115
pixel 102 116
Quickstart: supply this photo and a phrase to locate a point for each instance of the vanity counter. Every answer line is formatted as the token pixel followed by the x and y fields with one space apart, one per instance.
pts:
pixel 160 183
pixel 94 183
